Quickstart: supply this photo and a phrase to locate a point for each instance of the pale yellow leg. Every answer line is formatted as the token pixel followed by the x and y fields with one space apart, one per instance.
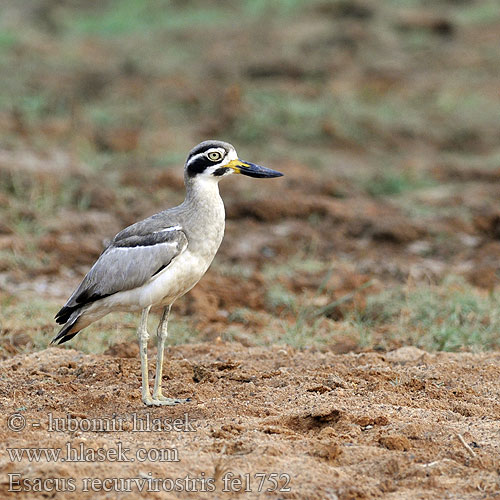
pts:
pixel 143 335
pixel 158 398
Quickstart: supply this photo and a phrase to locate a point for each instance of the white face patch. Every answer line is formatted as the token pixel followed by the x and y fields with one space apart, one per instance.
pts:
pixel 231 155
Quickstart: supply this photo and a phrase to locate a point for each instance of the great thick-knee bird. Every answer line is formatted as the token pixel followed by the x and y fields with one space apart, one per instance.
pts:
pixel 157 260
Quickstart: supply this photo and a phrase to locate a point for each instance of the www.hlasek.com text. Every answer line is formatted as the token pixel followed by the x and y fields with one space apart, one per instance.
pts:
pixel 82 453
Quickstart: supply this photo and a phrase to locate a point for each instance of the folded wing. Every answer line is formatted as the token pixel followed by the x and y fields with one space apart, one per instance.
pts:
pixel 130 261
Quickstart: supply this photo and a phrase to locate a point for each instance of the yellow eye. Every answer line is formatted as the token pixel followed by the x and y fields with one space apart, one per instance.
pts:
pixel 214 156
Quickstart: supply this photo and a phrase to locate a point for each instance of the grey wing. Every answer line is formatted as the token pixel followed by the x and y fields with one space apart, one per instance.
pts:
pixel 127 263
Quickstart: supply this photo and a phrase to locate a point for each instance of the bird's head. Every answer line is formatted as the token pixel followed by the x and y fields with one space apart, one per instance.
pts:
pixel 216 159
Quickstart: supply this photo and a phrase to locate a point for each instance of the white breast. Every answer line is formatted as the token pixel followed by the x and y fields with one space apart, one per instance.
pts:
pixel 176 280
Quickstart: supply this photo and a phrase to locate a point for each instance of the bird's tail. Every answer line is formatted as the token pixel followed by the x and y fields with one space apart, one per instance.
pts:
pixel 68 331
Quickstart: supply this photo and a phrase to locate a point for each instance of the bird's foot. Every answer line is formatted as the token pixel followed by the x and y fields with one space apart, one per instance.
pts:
pixel 160 400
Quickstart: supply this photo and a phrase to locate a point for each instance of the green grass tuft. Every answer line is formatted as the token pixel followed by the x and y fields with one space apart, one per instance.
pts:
pixel 448 316
pixel 390 182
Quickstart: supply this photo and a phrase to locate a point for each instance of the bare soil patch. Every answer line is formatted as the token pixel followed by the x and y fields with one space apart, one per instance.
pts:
pixel 350 426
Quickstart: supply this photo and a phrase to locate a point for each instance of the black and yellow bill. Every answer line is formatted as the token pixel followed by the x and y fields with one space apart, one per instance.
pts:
pixel 252 170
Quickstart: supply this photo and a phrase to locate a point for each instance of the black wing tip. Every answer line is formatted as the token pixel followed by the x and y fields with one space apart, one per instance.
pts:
pixel 83 299
pixel 63 315
pixel 62 339
pixel 65 333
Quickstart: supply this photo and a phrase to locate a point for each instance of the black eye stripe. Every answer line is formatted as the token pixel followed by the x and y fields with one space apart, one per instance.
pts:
pixel 198 166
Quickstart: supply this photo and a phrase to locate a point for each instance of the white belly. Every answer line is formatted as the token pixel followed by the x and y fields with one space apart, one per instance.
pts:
pixel 174 281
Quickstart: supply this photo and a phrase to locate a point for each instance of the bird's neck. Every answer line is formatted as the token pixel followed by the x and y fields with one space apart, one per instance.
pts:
pixel 202 192
pixel 204 205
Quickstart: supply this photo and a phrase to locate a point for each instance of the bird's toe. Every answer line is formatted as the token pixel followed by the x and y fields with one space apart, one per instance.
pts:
pixel 163 401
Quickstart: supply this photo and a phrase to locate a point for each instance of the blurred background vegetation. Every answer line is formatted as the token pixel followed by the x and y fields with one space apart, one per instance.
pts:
pixel 384 116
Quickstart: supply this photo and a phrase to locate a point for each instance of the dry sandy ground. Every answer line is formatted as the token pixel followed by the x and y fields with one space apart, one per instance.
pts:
pixel 292 424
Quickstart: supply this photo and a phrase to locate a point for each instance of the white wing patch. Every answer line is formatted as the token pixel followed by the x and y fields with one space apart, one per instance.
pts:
pixel 134 249
pixel 168 229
